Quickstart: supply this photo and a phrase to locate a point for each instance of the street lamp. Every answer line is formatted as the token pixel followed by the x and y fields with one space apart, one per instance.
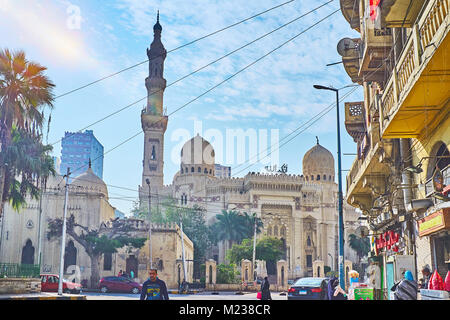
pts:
pixel 341 215
pixel 150 223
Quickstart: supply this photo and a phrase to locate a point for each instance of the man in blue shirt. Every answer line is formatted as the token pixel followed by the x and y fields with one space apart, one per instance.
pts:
pixel 154 288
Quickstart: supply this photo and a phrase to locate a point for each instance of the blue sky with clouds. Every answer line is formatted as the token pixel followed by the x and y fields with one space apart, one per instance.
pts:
pixel 81 41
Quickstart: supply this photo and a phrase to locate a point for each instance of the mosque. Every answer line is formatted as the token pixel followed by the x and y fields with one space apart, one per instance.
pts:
pixel 301 210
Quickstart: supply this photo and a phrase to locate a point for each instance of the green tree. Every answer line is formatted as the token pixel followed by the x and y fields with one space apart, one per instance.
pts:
pixel 24 92
pixel 29 165
pixel 267 248
pixel 96 242
pixel 233 227
pixel 226 274
pixel 360 245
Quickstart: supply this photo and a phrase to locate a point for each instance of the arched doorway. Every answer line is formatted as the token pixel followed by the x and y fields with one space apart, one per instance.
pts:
pixel 28 253
pixel 132 265
pixel 70 255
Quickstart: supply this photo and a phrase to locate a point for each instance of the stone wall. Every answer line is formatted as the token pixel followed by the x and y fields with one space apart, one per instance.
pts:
pixel 19 285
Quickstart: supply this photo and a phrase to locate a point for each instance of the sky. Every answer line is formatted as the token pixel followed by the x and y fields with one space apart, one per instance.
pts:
pixel 82 41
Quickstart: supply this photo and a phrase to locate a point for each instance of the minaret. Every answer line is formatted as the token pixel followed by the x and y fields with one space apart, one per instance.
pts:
pixel 153 119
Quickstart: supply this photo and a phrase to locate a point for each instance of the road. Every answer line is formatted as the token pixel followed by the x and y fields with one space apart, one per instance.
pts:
pixel 197 296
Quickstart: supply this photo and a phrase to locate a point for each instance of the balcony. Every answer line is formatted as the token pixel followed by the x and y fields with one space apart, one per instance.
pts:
pixel 350 60
pixel 400 13
pixel 354 120
pixel 418 88
pixel 367 177
pixel 350 11
pixel 376 47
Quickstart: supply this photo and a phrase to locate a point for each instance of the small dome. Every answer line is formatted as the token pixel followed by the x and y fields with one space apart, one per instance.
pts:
pixel 197 151
pixel 318 164
pixel 89 182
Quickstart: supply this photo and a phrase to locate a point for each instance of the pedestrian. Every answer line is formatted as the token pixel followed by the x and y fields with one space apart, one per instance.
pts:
pixel 120 273
pixel 426 273
pixel 335 292
pixel 154 288
pixel 406 289
pixel 265 289
pixel 374 279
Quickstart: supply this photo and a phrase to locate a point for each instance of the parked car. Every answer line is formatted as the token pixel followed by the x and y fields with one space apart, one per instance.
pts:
pixel 309 289
pixel 50 282
pixel 119 284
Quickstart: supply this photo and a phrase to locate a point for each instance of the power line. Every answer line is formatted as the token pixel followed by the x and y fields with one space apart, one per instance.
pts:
pixel 197 70
pixel 175 49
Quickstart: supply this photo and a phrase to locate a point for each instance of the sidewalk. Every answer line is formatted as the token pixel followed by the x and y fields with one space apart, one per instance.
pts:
pixel 42 296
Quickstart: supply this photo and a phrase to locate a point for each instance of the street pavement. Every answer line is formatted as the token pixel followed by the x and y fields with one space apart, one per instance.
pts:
pixel 196 296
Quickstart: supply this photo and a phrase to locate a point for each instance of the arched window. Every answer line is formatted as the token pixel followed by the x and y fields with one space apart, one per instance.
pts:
pixel 70 256
pixel 329 178
pixel 324 177
pixel 205 171
pixel 182 171
pixel 153 156
pixel 318 177
pixel 312 178
pixel 199 169
pixel 192 169
pixel 210 171
pixel 275 231
pixel 269 231
pixel 308 242
pixel 441 160
pixel 28 253
pixel 283 231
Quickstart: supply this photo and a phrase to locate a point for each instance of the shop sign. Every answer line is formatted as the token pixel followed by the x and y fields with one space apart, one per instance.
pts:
pixel 434 222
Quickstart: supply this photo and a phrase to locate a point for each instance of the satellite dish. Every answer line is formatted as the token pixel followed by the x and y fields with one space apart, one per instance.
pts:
pixel 362 231
pixel 346 46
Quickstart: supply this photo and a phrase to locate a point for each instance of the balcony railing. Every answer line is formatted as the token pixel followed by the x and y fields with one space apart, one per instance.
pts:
pixel 432 22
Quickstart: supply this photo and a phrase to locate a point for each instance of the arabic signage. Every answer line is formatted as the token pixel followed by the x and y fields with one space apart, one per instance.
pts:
pixel 436 221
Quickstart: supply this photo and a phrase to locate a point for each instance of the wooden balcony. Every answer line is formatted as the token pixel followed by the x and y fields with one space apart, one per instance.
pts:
pixel 375 48
pixel 400 13
pixel 355 120
pixel 350 11
pixel 367 177
pixel 417 93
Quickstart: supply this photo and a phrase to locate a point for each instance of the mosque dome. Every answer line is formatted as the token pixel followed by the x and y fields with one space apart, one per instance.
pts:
pixel 89 182
pixel 197 156
pixel 318 164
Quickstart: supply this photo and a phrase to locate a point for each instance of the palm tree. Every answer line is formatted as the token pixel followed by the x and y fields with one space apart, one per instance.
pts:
pixel 24 91
pixel 230 227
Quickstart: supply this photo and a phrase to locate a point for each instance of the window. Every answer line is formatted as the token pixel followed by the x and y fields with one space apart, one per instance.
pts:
pixel 312 178
pixel 192 169
pixel 107 261
pixel 308 242
pixel 182 170
pixel 199 169
pixel 318 177
pixel 205 171
pixel 309 261
pixel 324 177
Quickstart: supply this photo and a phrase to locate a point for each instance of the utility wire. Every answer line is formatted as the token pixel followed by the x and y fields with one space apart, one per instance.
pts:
pixel 195 71
pixel 175 49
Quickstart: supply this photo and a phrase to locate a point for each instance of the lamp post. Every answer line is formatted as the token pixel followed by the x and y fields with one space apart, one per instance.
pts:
pixel 341 215
pixel 63 237
pixel 150 223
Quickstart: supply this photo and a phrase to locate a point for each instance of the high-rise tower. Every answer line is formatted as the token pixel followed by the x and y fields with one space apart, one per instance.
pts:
pixel 153 118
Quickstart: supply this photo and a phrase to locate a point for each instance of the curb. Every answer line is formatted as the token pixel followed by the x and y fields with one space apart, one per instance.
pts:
pixel 45 298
